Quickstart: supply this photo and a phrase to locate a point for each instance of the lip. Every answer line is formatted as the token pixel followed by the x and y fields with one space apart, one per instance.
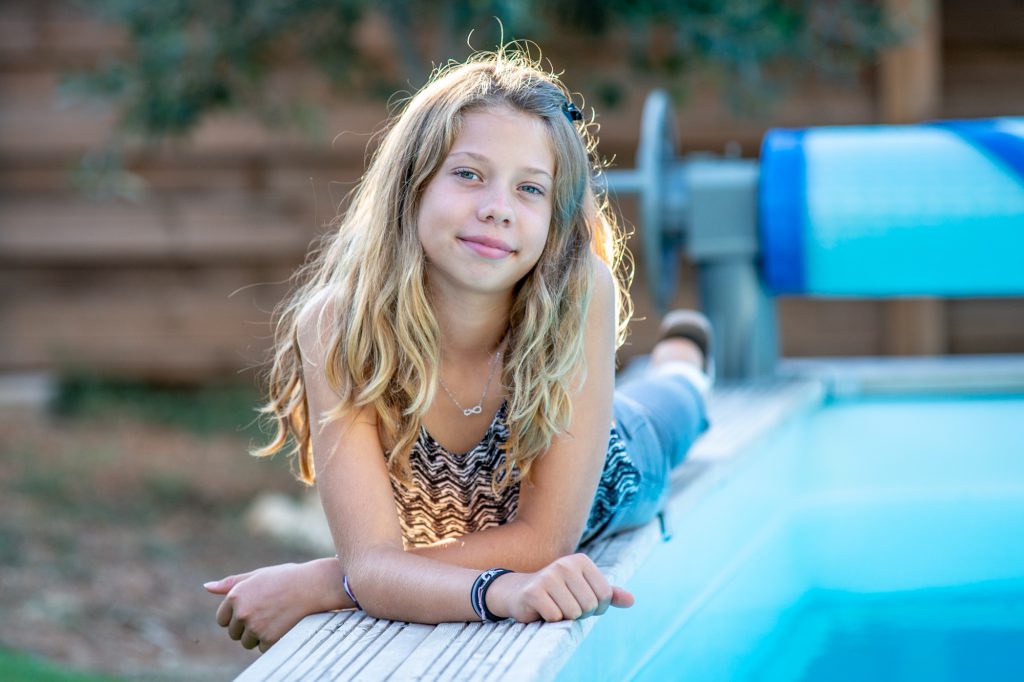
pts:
pixel 488 247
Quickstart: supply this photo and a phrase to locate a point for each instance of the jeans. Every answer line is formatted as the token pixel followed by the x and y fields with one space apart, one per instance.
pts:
pixel 659 415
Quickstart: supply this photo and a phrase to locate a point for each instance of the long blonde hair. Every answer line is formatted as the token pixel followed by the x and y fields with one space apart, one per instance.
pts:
pixel 384 347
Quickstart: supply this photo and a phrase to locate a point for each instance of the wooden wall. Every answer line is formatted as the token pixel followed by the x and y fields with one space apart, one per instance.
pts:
pixel 178 285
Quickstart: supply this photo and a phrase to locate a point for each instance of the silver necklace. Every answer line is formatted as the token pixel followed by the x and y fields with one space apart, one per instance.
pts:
pixel 479 407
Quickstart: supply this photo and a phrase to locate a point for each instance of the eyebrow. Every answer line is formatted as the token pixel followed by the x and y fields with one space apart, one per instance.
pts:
pixel 482 158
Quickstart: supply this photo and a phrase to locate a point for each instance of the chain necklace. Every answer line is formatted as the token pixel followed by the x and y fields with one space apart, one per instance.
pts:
pixel 479 407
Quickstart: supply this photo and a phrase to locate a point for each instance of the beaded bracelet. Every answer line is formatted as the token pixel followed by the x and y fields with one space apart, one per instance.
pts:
pixel 478 594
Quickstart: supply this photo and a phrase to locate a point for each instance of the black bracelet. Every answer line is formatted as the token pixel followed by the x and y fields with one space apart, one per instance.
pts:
pixel 478 594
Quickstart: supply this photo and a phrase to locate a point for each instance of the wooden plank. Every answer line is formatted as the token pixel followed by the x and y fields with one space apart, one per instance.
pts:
pixel 910 91
pixel 151 323
pixel 547 652
pixel 507 665
pixel 385 662
pixel 176 230
pixel 910 74
pixel 981 83
pixel 997 22
pixel 915 327
pixel 482 658
pixel 18 37
pixel 72 29
pixel 475 652
pixel 282 654
pixel 986 325
pixel 35 121
pixel 448 661
pixel 342 661
pixel 495 659
pixel 345 630
pixel 809 326
pixel 424 658
pixel 355 668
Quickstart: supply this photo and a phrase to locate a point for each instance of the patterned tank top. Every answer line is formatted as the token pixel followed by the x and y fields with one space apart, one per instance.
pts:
pixel 450 495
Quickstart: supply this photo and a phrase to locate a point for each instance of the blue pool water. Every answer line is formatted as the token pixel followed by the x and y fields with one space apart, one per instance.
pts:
pixel 877 539
pixel 966 633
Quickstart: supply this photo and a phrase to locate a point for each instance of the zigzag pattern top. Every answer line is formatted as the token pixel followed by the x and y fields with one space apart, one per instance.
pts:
pixel 450 495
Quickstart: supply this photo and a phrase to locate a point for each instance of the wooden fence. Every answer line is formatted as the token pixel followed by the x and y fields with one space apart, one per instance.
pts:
pixel 178 286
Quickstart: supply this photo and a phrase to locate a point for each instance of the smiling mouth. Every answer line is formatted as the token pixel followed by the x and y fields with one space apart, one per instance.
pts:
pixel 488 248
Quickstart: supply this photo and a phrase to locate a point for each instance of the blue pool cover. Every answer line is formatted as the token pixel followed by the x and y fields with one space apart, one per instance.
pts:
pixel 932 209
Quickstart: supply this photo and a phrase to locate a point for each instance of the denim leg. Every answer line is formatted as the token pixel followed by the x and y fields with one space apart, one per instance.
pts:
pixel 675 408
pixel 659 415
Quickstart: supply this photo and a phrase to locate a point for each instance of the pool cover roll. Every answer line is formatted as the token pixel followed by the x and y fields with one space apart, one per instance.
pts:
pixel 935 209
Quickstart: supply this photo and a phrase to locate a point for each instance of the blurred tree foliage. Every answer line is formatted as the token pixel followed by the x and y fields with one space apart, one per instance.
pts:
pixel 186 59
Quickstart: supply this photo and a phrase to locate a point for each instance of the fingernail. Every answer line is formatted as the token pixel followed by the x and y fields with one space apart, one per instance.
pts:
pixel 210 584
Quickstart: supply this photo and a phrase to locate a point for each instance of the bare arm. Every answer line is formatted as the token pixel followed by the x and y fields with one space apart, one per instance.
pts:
pixel 431 584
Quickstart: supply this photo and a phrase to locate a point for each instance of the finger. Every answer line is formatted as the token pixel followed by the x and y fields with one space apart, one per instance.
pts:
pixel 225 612
pixel 236 629
pixel 250 640
pixel 621 598
pixel 548 609
pixel 224 585
pixel 584 594
pixel 600 585
pixel 565 600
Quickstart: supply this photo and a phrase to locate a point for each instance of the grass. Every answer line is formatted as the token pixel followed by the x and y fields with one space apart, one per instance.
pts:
pixel 130 490
pixel 97 482
pixel 71 488
pixel 203 410
pixel 17 667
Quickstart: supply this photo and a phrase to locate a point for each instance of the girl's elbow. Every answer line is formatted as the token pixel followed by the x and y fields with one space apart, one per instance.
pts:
pixel 363 582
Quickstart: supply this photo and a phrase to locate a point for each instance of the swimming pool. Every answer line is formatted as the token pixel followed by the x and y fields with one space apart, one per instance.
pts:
pixel 874 537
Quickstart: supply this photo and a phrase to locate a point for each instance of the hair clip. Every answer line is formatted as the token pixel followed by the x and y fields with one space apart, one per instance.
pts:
pixel 571 112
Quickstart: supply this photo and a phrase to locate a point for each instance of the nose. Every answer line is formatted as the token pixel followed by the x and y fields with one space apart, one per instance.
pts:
pixel 496 207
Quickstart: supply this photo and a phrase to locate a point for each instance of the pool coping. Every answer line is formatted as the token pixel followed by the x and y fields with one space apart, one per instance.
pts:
pixel 351 644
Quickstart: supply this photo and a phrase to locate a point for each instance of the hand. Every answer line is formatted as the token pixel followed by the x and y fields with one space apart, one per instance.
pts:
pixel 568 588
pixel 262 605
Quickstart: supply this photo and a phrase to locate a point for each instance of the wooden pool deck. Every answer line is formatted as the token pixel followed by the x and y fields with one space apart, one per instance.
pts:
pixel 350 645
pixel 353 646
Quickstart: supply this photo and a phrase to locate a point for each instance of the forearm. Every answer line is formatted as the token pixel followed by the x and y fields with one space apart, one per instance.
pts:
pixel 325 579
pixel 513 545
pixel 397 585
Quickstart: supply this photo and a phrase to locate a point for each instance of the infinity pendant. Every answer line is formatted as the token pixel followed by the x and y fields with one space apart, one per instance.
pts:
pixel 477 409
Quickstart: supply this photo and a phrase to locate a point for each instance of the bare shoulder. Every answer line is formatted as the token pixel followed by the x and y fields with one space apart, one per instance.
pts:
pixel 604 293
pixel 313 323
pixel 604 280
pixel 313 334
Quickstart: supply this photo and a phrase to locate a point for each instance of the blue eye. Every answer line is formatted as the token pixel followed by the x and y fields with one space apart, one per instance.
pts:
pixel 465 173
pixel 533 189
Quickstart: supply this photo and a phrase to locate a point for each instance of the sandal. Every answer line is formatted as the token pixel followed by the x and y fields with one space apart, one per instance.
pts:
pixel 693 326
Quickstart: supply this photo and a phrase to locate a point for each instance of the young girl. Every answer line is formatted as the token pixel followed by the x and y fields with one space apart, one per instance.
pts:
pixel 447 373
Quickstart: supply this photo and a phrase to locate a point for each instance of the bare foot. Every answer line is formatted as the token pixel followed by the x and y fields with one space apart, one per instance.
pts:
pixel 676 349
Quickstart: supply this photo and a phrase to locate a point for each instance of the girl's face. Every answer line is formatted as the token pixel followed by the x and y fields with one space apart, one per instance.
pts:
pixel 484 216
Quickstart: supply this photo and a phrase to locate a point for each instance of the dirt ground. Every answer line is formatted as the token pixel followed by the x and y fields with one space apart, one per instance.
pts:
pixel 108 528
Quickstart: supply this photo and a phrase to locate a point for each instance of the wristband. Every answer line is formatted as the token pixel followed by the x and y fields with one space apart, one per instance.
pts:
pixel 348 591
pixel 478 594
